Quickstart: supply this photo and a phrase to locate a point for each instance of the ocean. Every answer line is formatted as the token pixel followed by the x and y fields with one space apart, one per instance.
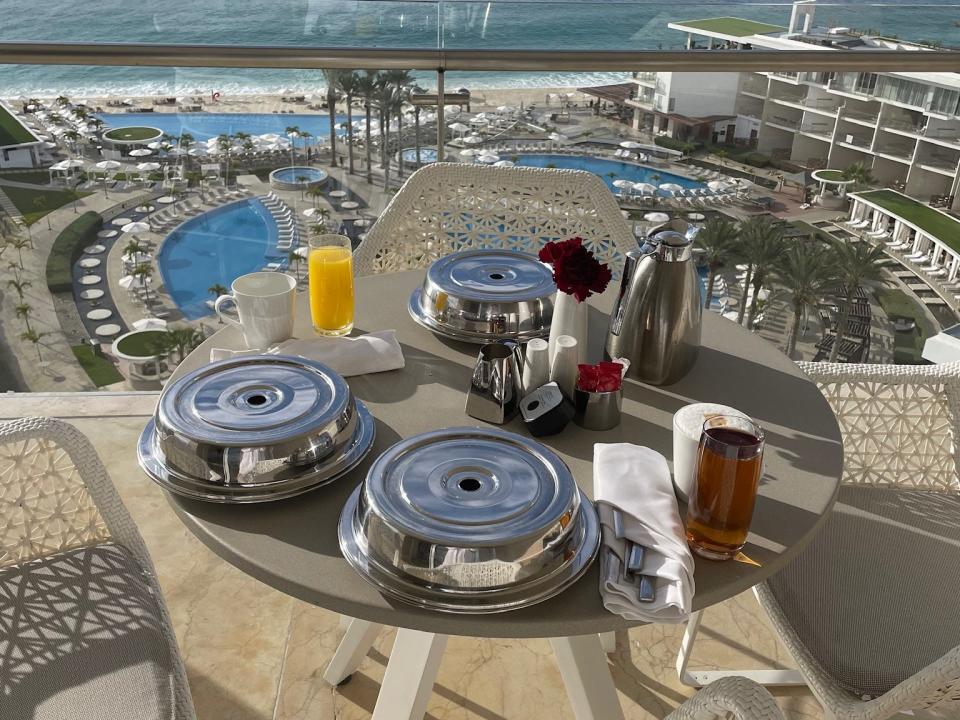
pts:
pixel 535 24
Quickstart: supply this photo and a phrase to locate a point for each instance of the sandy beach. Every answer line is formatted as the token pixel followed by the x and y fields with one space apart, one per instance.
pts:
pixel 480 99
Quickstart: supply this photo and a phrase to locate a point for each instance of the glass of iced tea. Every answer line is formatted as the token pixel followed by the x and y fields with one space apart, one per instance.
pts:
pixel 330 265
pixel 720 508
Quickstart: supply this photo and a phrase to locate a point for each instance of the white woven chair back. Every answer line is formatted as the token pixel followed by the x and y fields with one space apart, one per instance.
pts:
pixel 898 422
pixel 448 207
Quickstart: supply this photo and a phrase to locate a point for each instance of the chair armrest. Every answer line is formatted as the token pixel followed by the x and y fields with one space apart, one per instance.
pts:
pixel 743 698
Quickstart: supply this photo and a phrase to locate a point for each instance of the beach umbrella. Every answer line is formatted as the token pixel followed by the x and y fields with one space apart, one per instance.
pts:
pixel 136 227
pixel 452 109
pixel 473 139
pixel 66 164
pixel 136 258
pixel 622 183
pixel 310 212
pixel 656 217
pixel 717 185
pixel 141 152
pixel 671 187
pixel 458 127
pixel 470 152
pixel 149 323
pixel 155 145
pixel 557 137
pixel 504 163
pixel 644 188
pixel 126 282
pixel 630 145
pixel 488 159
pixel 107 165
pixel 506 109
pixel 148 166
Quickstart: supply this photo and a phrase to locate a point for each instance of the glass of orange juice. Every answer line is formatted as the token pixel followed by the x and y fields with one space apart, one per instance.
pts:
pixel 331 284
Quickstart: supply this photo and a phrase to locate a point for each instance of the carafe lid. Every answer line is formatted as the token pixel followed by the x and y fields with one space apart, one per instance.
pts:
pixel 671 246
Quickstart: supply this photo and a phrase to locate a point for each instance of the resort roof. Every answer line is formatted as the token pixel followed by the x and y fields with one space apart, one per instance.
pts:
pixel 934 223
pixel 618 93
pixel 728 26
pixel 12 131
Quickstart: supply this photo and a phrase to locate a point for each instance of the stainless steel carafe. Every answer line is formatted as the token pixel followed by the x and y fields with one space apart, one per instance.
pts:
pixel 656 320
pixel 497 383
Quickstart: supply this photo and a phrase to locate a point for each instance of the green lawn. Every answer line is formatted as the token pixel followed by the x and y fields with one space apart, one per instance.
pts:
pixel 25 200
pixel 34 177
pixel 140 344
pixel 934 223
pixel 101 371
pixel 11 131
pixel 132 133
pixel 907 347
pixel 830 175
pixel 735 27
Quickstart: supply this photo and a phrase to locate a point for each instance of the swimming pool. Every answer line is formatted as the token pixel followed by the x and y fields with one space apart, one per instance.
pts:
pixel 204 126
pixel 215 248
pixel 297 177
pixel 606 170
pixel 427 155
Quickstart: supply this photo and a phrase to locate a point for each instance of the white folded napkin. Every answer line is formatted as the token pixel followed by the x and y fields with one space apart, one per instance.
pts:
pixel 370 353
pixel 636 481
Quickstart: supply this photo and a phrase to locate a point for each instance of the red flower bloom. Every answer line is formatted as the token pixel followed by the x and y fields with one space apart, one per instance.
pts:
pixel 602 377
pixel 575 269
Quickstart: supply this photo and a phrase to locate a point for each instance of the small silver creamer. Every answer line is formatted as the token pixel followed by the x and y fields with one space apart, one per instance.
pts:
pixel 657 317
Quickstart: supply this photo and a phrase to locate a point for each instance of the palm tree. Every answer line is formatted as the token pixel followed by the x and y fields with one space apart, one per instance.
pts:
pixel 305 135
pixel 416 133
pixel 322 215
pixel 760 245
pixel 367 88
pixel 23 311
pixel 857 264
pixel 186 142
pixel 315 192
pixel 400 81
pixel 349 85
pixel 63 101
pixel 19 285
pixel 217 290
pixel 225 145
pixel 721 155
pixel 143 271
pixel 808 274
pixel 717 239
pixel 385 100
pixel 292 132
pixel 860 174
pixel 293 258
pixel 133 247
pixel 333 76
pixel 34 337
pixel 19 243
pixel 72 136
pixel 302 182
pixel 40 203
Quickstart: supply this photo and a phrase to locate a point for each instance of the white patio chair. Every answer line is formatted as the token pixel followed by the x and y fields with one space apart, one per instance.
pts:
pixel 870 609
pixel 730 697
pixel 86 634
pixel 447 207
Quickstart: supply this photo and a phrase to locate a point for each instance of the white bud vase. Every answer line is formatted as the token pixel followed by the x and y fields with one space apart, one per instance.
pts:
pixel 569 318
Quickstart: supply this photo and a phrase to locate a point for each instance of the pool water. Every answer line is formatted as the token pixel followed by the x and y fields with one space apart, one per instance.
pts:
pixel 427 155
pixel 216 247
pixel 204 126
pixel 290 174
pixel 606 170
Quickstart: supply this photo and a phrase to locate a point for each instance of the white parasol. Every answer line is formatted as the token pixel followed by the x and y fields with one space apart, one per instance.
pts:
pixel 630 145
pixel 671 187
pixel 644 188
pixel 107 165
pixel 126 282
pixel 656 217
pixel 718 185
pixel 473 139
pixel 141 152
pixel 504 163
pixel 623 184
pixel 136 227
pixel 488 159
pixel 149 323
pixel 148 166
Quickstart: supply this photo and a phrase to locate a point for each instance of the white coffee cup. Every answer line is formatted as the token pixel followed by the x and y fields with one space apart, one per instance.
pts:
pixel 265 305
pixel 687 428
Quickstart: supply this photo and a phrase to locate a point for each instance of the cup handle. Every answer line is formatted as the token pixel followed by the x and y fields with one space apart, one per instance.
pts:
pixel 222 315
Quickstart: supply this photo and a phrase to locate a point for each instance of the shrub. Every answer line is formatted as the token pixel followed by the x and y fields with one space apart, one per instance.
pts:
pixel 684 146
pixel 120 177
pixel 756 159
pixel 67 249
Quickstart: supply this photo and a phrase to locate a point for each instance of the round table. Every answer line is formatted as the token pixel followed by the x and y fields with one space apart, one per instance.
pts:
pixel 292 544
pixel 94 294
pixel 349 205
pixel 337 193
pixel 121 221
pixel 90 279
pixel 107 233
pixel 108 330
pixel 94 249
pixel 90 263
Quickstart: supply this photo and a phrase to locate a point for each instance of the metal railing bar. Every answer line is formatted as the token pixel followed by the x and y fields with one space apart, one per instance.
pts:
pixel 280 57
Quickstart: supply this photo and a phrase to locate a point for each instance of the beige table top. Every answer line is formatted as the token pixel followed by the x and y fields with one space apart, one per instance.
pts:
pixel 292 544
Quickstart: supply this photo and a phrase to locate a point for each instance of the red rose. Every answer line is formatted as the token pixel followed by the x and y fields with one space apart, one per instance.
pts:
pixel 576 270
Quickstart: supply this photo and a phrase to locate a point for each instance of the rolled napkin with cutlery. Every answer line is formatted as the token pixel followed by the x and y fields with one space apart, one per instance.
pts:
pixel 371 353
pixel 646 568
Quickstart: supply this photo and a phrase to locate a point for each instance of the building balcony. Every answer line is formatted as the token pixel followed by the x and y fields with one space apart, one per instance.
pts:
pixel 645 78
pixel 754 87
pixel 943 164
pixel 820 132
pixel 900 153
pixel 857 142
pixel 783 123
pixel 861 117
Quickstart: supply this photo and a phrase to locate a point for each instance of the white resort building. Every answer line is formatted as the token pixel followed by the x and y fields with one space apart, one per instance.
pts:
pixel 904 126
pixel 19 146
